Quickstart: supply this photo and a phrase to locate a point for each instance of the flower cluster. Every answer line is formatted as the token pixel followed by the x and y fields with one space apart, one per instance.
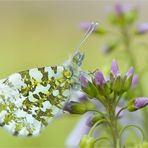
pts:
pixel 113 87
pixel 108 91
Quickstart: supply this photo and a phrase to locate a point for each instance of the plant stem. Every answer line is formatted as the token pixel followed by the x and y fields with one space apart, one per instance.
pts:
pixel 127 45
pixel 113 125
pixel 101 139
pixel 94 126
pixel 135 126
pixel 117 116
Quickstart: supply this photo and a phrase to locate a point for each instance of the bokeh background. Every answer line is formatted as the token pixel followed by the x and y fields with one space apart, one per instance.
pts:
pixel 44 33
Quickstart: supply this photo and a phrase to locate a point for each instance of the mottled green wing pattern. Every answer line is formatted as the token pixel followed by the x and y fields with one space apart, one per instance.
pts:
pixel 29 100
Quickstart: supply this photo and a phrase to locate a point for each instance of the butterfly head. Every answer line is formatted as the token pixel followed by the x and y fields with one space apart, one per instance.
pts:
pixel 78 58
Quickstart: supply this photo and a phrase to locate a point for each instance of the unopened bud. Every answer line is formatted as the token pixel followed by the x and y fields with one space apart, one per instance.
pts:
pixel 117 84
pixel 87 142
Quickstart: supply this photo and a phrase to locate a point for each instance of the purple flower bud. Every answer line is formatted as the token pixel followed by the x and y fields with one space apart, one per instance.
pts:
pixel 119 9
pixel 83 98
pixel 128 79
pixel 85 25
pixel 135 81
pixel 140 102
pixel 130 72
pixel 142 28
pixel 99 78
pixel 83 81
pixel 68 107
pixel 75 107
pixel 114 68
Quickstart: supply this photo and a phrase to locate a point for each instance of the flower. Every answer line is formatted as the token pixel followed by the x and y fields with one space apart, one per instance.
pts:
pixel 121 9
pixel 68 106
pixel 99 78
pixel 75 107
pixel 142 28
pixel 130 72
pixel 83 81
pixel 79 107
pixel 98 87
pixel 140 102
pixel 114 68
pixel 128 78
pixel 137 103
pixel 134 81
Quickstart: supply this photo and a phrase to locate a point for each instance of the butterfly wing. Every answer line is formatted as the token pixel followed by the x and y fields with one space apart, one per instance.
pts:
pixel 29 100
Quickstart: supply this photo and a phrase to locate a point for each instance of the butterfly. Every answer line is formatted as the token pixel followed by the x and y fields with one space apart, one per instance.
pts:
pixel 31 99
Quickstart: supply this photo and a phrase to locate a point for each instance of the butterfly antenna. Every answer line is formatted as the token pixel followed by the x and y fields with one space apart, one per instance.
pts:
pixel 78 56
pixel 86 35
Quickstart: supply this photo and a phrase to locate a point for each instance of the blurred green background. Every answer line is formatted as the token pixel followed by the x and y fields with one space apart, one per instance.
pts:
pixel 34 34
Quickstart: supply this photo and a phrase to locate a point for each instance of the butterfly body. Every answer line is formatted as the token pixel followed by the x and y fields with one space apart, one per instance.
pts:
pixel 31 99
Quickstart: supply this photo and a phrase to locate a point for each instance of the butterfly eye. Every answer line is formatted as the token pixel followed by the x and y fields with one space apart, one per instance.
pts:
pixel 67 74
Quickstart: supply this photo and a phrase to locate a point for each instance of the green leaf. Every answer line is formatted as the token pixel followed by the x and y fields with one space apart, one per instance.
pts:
pixel 100 31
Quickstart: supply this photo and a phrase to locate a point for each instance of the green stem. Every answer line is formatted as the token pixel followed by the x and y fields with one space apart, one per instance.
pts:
pixel 95 110
pixel 113 125
pixel 94 126
pixel 127 44
pixel 123 108
pixel 102 139
pixel 118 100
pixel 132 125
